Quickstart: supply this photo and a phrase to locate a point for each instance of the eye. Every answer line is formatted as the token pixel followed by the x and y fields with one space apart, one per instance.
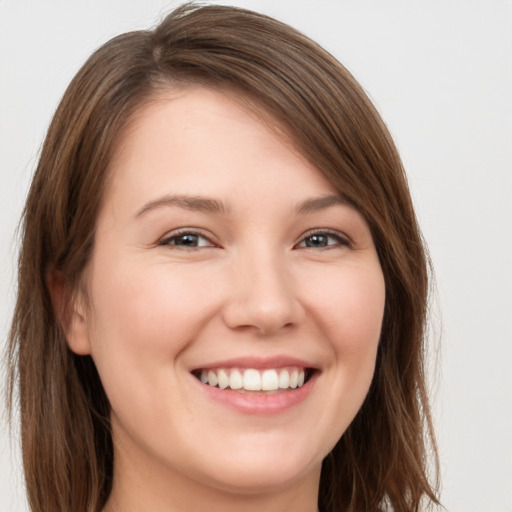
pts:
pixel 186 240
pixel 323 240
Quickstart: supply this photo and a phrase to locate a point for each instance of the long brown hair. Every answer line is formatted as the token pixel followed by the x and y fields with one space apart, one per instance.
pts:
pixel 381 460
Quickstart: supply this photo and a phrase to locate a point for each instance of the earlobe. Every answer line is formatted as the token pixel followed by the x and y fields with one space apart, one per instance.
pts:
pixel 70 311
pixel 77 331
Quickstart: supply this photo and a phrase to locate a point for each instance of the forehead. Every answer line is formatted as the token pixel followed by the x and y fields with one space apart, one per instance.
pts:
pixel 193 137
pixel 187 106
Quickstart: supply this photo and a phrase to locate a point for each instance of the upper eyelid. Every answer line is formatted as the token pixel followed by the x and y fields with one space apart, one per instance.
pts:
pixel 185 231
pixel 326 231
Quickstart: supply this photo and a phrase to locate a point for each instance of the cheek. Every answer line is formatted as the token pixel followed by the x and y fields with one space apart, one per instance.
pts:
pixel 351 307
pixel 144 316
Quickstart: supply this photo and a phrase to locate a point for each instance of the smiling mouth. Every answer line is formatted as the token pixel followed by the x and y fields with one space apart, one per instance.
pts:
pixel 255 381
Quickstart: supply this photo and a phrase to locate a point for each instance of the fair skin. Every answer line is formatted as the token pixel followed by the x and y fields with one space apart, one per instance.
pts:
pixel 218 250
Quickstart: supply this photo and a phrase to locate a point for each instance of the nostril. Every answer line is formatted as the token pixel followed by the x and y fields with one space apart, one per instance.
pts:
pixel 264 305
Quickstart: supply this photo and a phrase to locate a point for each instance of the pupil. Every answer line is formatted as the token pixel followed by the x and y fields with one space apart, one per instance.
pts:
pixel 316 241
pixel 188 240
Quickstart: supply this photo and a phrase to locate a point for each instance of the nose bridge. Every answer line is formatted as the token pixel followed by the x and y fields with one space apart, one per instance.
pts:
pixel 263 295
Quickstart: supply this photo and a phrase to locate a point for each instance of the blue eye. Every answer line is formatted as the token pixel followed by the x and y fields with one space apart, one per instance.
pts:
pixel 321 240
pixel 187 240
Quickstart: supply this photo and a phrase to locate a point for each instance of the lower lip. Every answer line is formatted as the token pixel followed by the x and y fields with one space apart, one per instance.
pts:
pixel 259 404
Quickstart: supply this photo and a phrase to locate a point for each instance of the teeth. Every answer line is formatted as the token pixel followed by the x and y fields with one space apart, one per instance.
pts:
pixel 235 380
pixel 294 379
pixel 284 379
pixel 212 378
pixel 269 380
pixel 223 379
pixel 254 380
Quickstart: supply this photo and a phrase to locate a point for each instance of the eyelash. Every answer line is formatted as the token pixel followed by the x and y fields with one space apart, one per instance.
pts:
pixel 340 239
pixel 167 241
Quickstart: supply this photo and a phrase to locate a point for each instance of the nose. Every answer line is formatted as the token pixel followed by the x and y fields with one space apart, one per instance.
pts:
pixel 262 297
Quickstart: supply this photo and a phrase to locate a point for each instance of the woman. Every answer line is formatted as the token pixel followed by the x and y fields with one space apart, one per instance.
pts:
pixel 223 288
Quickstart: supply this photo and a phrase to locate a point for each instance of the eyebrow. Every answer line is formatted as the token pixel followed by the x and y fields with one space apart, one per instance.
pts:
pixel 193 203
pixel 321 203
pixel 209 205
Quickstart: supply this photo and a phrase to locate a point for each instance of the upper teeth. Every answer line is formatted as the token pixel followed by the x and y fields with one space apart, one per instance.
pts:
pixel 254 380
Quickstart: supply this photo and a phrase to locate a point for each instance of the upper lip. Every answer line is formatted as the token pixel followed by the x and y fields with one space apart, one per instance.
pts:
pixel 258 363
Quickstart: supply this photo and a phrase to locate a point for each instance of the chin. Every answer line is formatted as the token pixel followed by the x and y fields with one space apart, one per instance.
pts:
pixel 263 479
pixel 262 470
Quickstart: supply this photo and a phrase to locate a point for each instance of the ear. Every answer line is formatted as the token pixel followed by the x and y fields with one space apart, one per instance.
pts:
pixel 70 311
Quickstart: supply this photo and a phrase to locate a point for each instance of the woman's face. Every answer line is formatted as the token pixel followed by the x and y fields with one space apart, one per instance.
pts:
pixel 223 259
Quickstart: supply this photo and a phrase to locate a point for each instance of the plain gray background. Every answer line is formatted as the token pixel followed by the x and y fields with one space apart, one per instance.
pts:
pixel 440 73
